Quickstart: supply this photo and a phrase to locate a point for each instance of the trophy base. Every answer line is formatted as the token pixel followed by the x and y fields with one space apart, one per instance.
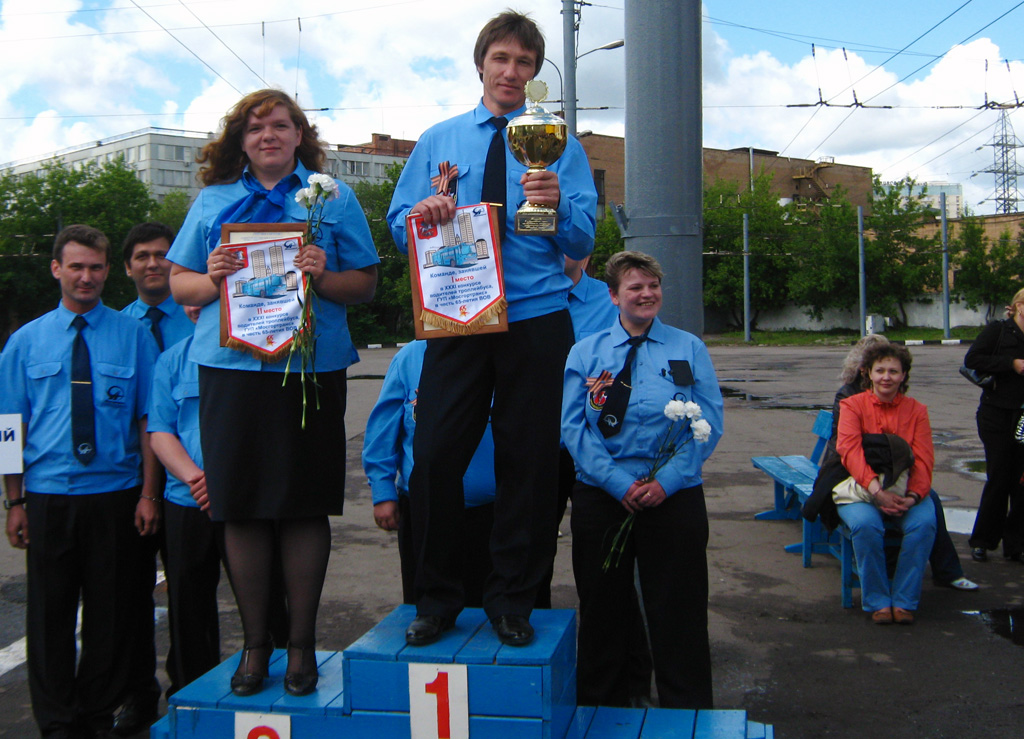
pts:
pixel 536 220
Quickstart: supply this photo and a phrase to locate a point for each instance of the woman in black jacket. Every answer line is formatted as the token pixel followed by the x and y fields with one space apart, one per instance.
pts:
pixel 999 351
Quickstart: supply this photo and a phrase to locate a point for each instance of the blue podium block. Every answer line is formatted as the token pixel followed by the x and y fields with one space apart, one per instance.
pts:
pixel 363 693
pixel 529 690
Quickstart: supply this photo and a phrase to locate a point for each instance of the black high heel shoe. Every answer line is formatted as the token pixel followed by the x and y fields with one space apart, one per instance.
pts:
pixel 253 668
pixel 301 681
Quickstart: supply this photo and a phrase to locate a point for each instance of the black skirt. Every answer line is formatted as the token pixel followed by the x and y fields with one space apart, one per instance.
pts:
pixel 259 462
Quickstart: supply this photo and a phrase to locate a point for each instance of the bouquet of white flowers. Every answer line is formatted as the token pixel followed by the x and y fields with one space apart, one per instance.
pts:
pixel 686 417
pixel 322 189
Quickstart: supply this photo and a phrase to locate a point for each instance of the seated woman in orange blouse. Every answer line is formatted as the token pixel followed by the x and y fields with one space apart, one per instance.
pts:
pixel 865 505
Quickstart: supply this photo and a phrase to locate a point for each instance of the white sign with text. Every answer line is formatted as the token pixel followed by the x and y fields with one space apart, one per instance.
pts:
pixel 438 701
pixel 10 444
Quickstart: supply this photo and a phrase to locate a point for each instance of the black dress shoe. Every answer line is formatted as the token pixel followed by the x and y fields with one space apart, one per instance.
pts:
pixel 1016 557
pixel 978 554
pixel 137 714
pixel 513 630
pixel 303 680
pixel 253 668
pixel 426 630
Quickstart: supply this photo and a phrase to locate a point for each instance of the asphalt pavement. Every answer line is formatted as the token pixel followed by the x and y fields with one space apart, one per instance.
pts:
pixel 783 647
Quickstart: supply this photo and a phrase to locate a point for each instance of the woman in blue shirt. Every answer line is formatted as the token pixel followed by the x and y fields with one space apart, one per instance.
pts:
pixel 613 429
pixel 270 480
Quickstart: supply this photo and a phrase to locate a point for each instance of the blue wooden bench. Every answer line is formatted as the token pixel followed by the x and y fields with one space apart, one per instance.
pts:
pixel 789 471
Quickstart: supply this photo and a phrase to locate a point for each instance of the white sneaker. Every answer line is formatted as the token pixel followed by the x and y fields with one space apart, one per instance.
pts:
pixel 962 583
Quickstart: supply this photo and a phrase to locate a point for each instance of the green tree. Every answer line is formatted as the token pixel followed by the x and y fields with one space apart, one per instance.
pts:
pixel 607 240
pixel 37 206
pixel 986 275
pixel 901 265
pixel 172 209
pixel 724 206
pixel 389 315
pixel 824 270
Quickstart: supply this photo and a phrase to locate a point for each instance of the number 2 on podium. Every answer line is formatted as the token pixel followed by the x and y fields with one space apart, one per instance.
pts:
pixel 438 701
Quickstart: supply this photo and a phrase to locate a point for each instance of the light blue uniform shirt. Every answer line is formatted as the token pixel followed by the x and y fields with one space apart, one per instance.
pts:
pixel 174 409
pixel 175 326
pixel 615 463
pixel 591 307
pixel 387 444
pixel 346 239
pixel 535 281
pixel 35 374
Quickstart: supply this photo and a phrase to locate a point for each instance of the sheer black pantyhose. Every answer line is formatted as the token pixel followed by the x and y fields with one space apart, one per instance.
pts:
pixel 305 547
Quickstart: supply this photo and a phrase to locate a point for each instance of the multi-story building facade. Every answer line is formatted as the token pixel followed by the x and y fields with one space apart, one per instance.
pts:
pixel 165 159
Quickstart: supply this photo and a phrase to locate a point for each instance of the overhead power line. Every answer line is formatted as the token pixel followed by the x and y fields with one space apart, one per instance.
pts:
pixel 186 47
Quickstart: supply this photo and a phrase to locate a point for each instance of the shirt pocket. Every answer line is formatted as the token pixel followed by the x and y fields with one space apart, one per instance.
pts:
pixel 113 384
pixel 49 388
pixel 185 390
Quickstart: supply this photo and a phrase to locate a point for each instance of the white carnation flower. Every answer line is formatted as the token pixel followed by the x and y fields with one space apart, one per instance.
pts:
pixel 323 184
pixel 701 430
pixel 675 410
pixel 692 410
pixel 304 197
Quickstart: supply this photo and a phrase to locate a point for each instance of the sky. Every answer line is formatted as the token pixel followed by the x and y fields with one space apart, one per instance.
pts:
pixel 75 71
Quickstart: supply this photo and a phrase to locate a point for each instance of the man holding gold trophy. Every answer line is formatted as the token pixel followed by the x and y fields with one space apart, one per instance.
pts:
pixel 463 161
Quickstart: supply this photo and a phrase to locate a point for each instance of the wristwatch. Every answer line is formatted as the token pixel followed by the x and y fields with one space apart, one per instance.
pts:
pixel 9 504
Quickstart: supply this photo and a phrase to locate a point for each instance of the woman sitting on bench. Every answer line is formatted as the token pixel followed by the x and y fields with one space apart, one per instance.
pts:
pixel 877 431
pixel 946 568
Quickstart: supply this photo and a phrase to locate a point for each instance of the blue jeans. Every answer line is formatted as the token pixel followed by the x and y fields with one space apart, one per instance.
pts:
pixel 867 525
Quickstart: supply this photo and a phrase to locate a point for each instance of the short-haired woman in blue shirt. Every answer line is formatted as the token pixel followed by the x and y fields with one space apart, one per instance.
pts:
pixel 613 429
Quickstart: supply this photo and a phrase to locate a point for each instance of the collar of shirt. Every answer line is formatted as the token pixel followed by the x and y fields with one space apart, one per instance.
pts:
pixel 655 333
pixel 894 403
pixel 482 116
pixel 93 317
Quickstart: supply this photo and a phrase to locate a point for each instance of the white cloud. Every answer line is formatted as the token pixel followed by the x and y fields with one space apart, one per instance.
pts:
pixel 396 67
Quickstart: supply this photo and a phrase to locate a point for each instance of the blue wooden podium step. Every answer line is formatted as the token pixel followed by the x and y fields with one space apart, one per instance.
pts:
pixel 364 693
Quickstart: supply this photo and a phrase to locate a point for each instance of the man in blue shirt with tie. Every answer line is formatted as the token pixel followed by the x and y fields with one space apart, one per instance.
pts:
pixel 79 376
pixel 145 261
pixel 520 369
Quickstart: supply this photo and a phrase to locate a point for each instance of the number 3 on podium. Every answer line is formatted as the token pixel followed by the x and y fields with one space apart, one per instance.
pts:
pixel 438 701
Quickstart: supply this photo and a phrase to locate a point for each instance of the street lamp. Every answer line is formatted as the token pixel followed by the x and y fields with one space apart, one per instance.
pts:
pixel 569 90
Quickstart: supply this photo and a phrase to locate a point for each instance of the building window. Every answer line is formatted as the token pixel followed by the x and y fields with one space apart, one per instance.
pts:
pixel 599 185
pixel 356 169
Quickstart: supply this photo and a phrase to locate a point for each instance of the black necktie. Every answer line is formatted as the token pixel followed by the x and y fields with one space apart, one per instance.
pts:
pixel 83 426
pixel 617 396
pixel 494 190
pixel 155 315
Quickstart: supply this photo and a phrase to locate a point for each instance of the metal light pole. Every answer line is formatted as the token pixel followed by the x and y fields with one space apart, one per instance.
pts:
pixel 663 149
pixel 569 60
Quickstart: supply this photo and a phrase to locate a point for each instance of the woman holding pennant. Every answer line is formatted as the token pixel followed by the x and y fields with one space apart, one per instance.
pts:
pixel 271 430
pixel 641 412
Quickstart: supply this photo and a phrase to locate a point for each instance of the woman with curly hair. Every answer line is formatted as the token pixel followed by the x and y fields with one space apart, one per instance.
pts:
pixel 270 480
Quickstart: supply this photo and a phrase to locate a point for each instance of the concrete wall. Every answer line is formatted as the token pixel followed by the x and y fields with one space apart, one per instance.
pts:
pixel 926 314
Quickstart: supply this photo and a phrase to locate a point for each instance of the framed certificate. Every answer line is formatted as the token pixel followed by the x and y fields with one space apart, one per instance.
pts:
pixel 458 287
pixel 261 303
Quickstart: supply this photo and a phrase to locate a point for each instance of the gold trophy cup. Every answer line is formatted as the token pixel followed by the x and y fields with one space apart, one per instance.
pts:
pixel 537 138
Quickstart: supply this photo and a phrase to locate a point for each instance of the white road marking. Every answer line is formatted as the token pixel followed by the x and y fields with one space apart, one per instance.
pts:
pixel 13 655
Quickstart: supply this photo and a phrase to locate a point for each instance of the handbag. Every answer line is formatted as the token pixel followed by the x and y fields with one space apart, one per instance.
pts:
pixel 981 379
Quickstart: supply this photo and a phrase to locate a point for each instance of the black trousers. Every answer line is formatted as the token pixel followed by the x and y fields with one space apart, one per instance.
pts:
pixel 82 548
pixel 522 370
pixel 1004 464
pixel 668 544
pixel 478 522
pixel 192 567
pixel 143 686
